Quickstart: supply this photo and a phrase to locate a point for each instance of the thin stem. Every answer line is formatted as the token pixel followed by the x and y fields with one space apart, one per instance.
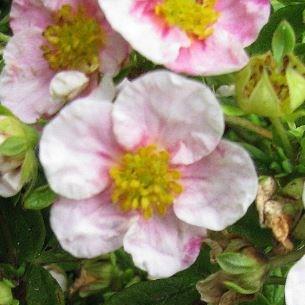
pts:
pixel 280 261
pixel 237 121
pixel 281 131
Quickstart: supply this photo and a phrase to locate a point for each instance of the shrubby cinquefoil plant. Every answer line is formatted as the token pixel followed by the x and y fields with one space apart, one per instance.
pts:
pixel 152 152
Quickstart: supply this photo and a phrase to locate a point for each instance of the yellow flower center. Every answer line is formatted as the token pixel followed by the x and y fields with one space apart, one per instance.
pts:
pixel 145 181
pixel 73 41
pixel 195 17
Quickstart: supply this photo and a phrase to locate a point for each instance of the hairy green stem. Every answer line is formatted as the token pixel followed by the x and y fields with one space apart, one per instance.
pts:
pixel 281 131
pixel 240 122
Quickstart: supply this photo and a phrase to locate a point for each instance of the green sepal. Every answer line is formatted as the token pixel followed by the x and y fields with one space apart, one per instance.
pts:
pixel 29 167
pixel 236 263
pixel 13 146
pixel 283 41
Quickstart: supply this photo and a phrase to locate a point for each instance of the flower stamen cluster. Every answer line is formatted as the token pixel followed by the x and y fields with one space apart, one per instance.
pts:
pixel 74 40
pixel 144 181
pixel 196 18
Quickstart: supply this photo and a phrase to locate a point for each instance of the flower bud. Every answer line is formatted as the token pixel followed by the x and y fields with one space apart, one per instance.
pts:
pixel 17 157
pixel 271 90
pixel 67 85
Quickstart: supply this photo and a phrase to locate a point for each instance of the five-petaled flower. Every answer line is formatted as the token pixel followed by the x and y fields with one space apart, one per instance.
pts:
pixel 149 172
pixel 205 37
pixel 51 37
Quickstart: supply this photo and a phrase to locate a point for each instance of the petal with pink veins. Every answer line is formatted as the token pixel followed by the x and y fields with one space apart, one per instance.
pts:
pixel 218 189
pixel 295 283
pixel 77 148
pixel 243 19
pixel 89 228
pixel 219 54
pixel 138 26
pixel 26 77
pixel 163 246
pixel 171 111
pixel 26 14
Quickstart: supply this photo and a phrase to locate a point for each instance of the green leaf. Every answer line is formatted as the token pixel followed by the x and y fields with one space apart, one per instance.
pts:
pixel 283 41
pixel 292 13
pixel 22 233
pixel 40 198
pixel 42 289
pixel 236 263
pixel 13 146
pixel 177 290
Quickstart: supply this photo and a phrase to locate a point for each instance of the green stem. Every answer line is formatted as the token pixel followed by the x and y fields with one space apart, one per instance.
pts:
pixel 281 131
pixel 280 261
pixel 240 122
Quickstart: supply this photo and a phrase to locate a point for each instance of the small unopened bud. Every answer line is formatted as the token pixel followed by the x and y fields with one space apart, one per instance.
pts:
pixel 226 91
pixel 17 157
pixel 266 88
pixel 67 85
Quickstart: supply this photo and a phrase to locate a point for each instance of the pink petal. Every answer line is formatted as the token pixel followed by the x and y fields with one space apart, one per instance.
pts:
pixel 77 148
pixel 243 19
pixel 295 283
pixel 142 31
pixel 114 53
pixel 27 14
pixel 219 54
pixel 89 228
pixel 163 246
pixel 218 189
pixel 26 77
pixel 169 110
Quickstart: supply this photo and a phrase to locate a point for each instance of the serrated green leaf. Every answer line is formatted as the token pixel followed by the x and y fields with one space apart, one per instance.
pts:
pixel 41 288
pixel 40 198
pixel 236 263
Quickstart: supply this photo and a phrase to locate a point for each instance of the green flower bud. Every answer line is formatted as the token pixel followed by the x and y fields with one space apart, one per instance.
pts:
pixel 271 90
pixel 18 162
pixel 6 296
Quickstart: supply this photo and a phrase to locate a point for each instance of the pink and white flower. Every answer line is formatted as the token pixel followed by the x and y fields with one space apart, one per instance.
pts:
pixel 196 37
pixel 149 172
pixel 51 37
pixel 295 283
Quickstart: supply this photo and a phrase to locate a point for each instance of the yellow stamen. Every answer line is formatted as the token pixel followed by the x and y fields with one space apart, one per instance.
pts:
pixel 146 182
pixel 195 17
pixel 73 41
